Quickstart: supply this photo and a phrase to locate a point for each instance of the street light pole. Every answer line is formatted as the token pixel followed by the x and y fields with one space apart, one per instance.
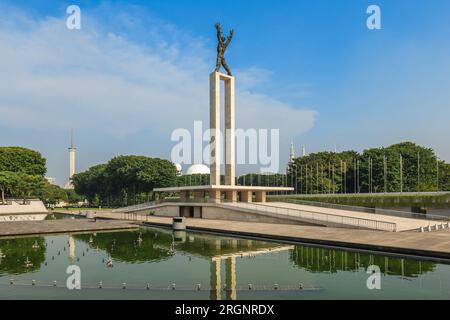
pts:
pixel 359 175
pixel 418 171
pixel 301 179
pixel 437 174
pixel 401 173
pixel 317 177
pixel 385 173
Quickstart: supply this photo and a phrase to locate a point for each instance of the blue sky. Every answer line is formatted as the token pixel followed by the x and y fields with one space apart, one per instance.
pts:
pixel 310 68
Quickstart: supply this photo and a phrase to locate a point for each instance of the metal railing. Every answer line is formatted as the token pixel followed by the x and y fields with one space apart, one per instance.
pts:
pixel 386 212
pixel 360 223
pixel 137 207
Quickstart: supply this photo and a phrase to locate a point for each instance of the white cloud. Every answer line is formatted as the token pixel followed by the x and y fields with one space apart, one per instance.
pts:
pixel 52 78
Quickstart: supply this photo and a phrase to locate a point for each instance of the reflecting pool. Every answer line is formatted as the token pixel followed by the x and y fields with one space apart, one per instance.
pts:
pixel 153 263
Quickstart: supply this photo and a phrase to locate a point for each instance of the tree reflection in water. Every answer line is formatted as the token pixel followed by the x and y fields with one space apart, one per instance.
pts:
pixel 333 261
pixel 14 253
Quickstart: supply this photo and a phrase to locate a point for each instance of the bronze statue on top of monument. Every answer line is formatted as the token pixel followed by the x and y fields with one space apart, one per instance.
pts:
pixel 221 48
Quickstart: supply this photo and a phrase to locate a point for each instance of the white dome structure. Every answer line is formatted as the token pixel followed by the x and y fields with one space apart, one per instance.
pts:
pixel 198 169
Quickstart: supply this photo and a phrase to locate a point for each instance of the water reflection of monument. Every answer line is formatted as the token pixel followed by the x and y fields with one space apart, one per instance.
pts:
pixel 230 270
pixel 72 255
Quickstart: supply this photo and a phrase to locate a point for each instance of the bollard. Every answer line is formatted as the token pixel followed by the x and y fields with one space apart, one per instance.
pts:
pixel 422 230
pixel 429 228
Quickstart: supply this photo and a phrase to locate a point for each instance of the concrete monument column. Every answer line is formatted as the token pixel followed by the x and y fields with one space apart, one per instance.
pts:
pixel 214 126
pixel 246 196
pixel 231 196
pixel 184 196
pixel 199 196
pixel 230 127
pixel 261 196
pixel 214 196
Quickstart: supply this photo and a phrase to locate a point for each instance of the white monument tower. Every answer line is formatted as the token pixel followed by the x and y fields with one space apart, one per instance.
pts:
pixel 72 149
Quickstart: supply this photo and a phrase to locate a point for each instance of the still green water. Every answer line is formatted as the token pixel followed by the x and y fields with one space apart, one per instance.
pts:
pixel 223 267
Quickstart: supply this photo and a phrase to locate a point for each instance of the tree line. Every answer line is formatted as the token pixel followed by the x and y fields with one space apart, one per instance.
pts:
pixel 125 180
pixel 403 167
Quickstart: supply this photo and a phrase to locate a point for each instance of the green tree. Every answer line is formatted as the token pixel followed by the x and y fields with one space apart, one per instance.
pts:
pixel 8 183
pixel 324 172
pixel 444 176
pixel 400 167
pixel 51 194
pixel 73 197
pixel 22 160
pixel 91 183
pixel 29 185
pixel 125 180
pixel 419 167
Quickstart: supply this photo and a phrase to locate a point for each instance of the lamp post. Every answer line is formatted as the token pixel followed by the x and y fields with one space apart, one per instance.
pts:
pixel 385 173
pixel 306 179
pixel 358 172
pixel 418 171
pixel 401 173
pixel 301 179
pixel 345 177
pixel 437 174
pixel 329 177
pixel 332 176
pixel 317 177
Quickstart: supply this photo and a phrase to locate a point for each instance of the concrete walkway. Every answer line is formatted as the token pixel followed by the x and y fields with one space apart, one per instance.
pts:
pixel 8 229
pixel 403 224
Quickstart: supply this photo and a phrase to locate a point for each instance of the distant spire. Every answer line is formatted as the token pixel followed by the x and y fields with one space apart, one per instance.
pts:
pixel 292 153
pixel 303 150
pixel 72 146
